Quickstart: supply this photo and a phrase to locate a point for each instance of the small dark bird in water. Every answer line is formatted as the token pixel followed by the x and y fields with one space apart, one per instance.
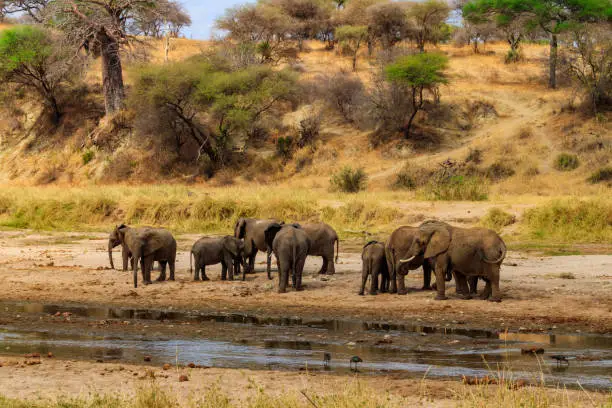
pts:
pixel 560 359
pixel 354 360
pixel 326 359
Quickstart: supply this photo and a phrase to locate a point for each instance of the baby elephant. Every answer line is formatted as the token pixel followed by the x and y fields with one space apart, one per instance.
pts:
pixel 211 251
pixel 375 264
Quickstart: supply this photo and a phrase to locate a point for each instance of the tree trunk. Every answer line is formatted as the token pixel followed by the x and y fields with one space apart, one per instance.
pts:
pixel 355 62
pixel 552 80
pixel 112 73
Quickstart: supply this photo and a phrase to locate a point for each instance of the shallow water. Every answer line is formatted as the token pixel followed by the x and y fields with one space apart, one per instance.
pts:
pixel 244 341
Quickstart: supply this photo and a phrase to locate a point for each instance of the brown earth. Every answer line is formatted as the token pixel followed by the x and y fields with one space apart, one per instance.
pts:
pixel 563 293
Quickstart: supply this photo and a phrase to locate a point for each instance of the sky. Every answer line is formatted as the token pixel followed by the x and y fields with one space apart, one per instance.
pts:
pixel 203 14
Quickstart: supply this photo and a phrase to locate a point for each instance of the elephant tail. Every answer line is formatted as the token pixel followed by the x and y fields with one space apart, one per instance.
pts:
pixel 390 255
pixel 337 249
pixel 499 259
pixel 191 262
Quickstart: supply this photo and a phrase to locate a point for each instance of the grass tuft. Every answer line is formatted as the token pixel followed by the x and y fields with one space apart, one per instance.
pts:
pixel 604 174
pixel 349 180
pixel 456 188
pixel 566 162
pixel 496 219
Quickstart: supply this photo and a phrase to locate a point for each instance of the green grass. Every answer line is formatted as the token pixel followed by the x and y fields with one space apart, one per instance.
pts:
pixel 566 162
pixel 456 188
pixel 603 174
pixel 588 221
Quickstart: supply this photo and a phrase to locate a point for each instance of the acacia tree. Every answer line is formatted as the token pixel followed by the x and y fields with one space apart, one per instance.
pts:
pixel 102 27
pixel 353 36
pixel 168 18
pixel 387 23
pixel 33 8
pixel 355 13
pixel 418 73
pixel 31 58
pixel 552 16
pixel 427 19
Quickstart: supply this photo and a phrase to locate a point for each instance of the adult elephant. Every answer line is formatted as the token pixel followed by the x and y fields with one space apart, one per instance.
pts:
pixel 398 247
pixel 468 252
pixel 114 241
pixel 252 231
pixel 213 250
pixel 322 239
pixel 290 245
pixel 147 245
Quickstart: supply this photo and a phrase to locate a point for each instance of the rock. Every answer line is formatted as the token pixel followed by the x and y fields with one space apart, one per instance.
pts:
pixel 49 355
pixel 532 350
pixel 191 365
pixel 166 367
pixel 99 360
pixel 183 378
pixel 147 358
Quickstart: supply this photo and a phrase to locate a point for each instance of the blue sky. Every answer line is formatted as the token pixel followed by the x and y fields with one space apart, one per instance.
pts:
pixel 203 14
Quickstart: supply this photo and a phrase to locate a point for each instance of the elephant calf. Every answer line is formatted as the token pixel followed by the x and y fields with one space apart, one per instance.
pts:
pixel 211 251
pixel 374 264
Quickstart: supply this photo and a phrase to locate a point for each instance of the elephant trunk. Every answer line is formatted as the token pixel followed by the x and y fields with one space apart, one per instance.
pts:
pixel 404 261
pixel 110 254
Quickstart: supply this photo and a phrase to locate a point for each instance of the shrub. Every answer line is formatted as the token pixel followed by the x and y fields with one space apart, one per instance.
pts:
pixel 284 147
pixel 603 174
pixel 499 171
pixel 474 156
pixel 309 129
pixel 349 180
pixel 566 162
pixel 457 188
pixel 303 158
pixel 404 180
pixel 345 93
pixel 512 56
pixel 571 221
pixel 88 156
pixel 496 219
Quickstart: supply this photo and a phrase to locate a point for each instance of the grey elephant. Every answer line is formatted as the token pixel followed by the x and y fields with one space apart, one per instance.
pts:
pixel 468 252
pixel 213 250
pixel 252 231
pixel 322 239
pixel 290 245
pixel 374 264
pixel 147 245
pixel 398 247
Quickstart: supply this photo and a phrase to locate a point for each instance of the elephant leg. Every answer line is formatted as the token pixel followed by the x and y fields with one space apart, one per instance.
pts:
pixel 299 269
pixel 196 269
pixel 426 275
pixel 461 288
pixel 331 266
pixel 125 255
pixel 364 277
pixel 493 280
pixel 323 269
pixel 384 282
pixel 147 266
pixel 391 268
pixel 230 269
pixel 237 268
pixel 441 265
pixel 172 266
pixel 283 275
pixel 486 293
pixel 162 274
pixel 203 269
pixel 252 261
pixel 143 271
pixel 374 280
pixel 223 270
pixel 401 284
pixel 473 283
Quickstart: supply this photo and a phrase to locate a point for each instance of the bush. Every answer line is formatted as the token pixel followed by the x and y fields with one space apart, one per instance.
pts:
pixel 571 221
pixel 284 147
pixel 474 156
pixel 499 171
pixel 309 130
pixel 345 93
pixel 566 162
pixel 404 180
pixel 88 156
pixel 349 180
pixel 496 219
pixel 457 188
pixel 603 174
pixel 512 56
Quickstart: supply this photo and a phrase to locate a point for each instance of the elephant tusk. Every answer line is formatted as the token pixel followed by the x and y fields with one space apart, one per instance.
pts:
pixel 403 261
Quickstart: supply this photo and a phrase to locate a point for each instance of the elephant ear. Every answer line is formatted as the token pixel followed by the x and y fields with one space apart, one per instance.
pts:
pixel 239 229
pixel 370 243
pixel 271 232
pixel 231 245
pixel 438 242
pixel 155 240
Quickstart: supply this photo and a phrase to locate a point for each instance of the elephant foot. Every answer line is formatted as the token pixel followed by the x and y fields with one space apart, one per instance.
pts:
pixel 300 289
pixel 330 273
pixel 441 297
pixel 426 288
pixel 360 293
pixel 205 278
pixel 148 282
pixel 402 292
pixel 282 291
pixel 464 297
pixel 496 300
pixel 196 279
pixel 373 293
pixel 161 279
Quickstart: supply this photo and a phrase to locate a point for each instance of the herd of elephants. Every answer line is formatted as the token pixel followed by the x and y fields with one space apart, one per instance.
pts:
pixel 466 254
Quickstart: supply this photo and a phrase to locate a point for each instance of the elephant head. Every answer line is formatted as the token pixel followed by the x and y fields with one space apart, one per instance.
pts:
pixel 114 240
pixel 240 228
pixel 234 246
pixel 433 238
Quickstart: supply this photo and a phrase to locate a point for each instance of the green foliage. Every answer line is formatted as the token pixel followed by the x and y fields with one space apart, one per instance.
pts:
pixel 23 46
pixel 420 70
pixel 512 56
pixel 566 162
pixel 604 174
pixel 499 171
pixel 349 180
pixel 404 180
pixel 351 33
pixel 571 221
pixel 88 156
pixel 497 219
pixel 285 147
